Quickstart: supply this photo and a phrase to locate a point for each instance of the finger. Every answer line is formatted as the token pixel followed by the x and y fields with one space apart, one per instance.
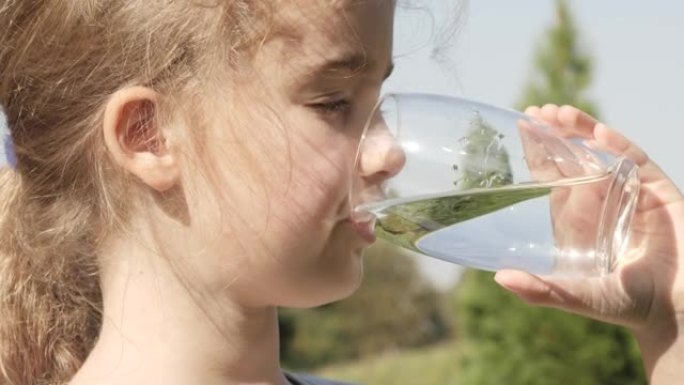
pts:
pixel 568 121
pixel 527 286
pixel 579 295
pixel 617 144
pixel 581 123
pixel 562 122
pixel 549 113
pixel 568 117
pixel 542 166
pixel 572 119
pixel 533 111
pixel 657 187
pixel 544 115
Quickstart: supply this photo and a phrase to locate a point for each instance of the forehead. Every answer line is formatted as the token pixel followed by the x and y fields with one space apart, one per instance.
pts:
pixel 307 32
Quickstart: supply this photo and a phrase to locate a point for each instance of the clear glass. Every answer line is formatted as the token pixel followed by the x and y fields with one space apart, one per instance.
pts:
pixel 491 188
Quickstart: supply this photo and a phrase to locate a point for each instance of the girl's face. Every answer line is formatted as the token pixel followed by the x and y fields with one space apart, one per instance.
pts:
pixel 284 231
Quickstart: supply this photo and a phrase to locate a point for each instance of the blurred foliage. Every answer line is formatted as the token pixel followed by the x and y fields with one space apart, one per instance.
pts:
pixel 563 69
pixel 433 365
pixel 394 308
pixel 506 341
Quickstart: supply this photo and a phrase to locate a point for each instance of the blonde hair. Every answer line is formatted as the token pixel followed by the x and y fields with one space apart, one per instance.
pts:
pixel 60 60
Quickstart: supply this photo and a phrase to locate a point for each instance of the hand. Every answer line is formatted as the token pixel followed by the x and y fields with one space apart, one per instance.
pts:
pixel 574 207
pixel 645 294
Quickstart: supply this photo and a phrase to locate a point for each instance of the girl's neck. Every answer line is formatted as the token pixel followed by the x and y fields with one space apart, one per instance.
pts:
pixel 156 330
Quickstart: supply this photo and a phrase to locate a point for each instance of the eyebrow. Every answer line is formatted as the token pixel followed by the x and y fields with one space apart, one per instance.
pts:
pixel 350 64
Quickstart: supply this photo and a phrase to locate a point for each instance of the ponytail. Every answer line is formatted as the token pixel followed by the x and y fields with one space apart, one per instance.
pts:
pixel 50 298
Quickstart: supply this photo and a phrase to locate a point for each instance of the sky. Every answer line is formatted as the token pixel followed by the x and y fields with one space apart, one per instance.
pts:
pixel 637 48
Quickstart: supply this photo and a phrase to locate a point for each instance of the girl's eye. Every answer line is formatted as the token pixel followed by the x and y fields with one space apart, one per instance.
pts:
pixel 334 106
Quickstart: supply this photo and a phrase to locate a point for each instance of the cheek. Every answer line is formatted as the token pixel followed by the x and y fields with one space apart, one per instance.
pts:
pixel 315 194
pixel 308 200
pixel 291 178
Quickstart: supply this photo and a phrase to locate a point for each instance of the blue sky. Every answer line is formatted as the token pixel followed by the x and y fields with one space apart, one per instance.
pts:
pixel 637 46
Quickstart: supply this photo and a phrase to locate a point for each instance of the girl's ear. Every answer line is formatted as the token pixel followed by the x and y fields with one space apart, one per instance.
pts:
pixel 135 139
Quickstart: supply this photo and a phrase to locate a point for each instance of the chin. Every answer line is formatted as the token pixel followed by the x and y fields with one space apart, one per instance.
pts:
pixel 346 279
pixel 336 282
pixel 349 287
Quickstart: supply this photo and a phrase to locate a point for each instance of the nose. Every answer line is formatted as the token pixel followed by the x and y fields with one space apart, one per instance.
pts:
pixel 380 157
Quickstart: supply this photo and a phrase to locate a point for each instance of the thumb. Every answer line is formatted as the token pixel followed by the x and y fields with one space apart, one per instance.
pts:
pixel 582 295
pixel 530 288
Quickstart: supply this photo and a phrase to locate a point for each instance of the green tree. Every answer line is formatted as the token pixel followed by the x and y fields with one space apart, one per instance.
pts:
pixel 505 341
pixel 563 70
pixel 394 308
pixel 487 163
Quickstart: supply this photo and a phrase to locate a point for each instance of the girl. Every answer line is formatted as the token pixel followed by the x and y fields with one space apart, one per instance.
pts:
pixel 182 170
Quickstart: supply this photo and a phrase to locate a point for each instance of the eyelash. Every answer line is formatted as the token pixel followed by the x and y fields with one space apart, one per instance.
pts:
pixel 332 107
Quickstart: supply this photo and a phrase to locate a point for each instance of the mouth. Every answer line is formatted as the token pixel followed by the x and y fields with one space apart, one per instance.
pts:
pixel 364 228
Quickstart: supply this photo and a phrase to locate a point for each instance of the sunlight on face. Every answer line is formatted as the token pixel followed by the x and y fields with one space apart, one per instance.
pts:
pixel 286 230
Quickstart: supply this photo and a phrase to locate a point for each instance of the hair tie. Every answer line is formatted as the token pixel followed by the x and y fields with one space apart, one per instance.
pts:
pixel 9 157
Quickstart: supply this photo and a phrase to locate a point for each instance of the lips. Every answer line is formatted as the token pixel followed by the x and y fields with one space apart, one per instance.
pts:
pixel 365 229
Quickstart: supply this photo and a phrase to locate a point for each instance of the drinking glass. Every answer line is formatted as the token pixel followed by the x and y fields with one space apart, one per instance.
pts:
pixel 491 188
